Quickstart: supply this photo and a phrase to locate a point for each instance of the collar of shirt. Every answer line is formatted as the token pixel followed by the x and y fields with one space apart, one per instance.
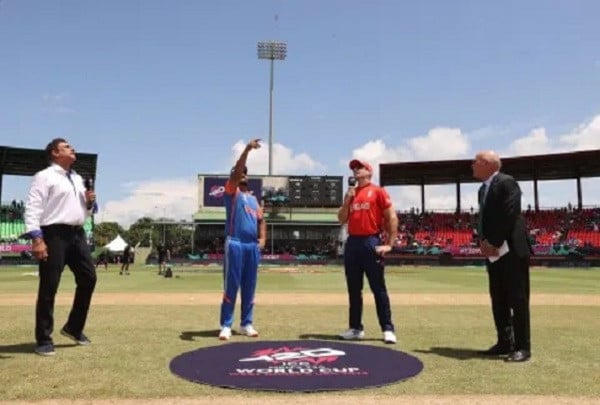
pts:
pixel 357 187
pixel 56 196
pixel 489 180
pixel 60 169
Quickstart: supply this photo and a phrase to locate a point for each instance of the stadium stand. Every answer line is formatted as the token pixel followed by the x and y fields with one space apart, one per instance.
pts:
pixel 572 227
pixel 11 222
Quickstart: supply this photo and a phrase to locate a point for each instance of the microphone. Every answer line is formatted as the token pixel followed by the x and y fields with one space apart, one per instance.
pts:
pixel 89 186
pixel 351 185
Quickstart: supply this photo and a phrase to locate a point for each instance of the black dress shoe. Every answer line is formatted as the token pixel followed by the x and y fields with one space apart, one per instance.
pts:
pixel 519 356
pixel 498 349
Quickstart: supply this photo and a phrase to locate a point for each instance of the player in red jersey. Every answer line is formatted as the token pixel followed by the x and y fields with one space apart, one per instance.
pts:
pixel 372 229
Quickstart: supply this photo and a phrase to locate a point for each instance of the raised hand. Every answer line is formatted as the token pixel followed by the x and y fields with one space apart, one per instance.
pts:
pixel 254 144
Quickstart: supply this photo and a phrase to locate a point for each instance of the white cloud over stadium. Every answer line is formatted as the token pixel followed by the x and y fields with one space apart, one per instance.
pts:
pixel 177 198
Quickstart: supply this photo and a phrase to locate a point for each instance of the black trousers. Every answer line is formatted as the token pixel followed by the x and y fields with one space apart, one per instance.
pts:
pixel 509 291
pixel 66 246
pixel 360 259
pixel 125 264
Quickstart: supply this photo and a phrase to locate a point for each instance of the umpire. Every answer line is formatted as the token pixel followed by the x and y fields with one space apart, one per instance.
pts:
pixel 367 209
pixel 57 206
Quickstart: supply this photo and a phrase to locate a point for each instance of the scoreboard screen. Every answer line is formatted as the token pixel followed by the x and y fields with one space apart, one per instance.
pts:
pixel 315 191
pixel 278 191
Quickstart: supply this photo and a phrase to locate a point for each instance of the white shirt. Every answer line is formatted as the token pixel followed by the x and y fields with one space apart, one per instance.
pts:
pixel 487 184
pixel 503 249
pixel 55 199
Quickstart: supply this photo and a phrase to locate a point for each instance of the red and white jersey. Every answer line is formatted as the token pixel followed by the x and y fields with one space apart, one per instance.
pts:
pixel 366 210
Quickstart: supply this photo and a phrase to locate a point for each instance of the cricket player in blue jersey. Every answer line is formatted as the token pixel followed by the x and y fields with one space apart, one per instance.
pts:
pixel 245 236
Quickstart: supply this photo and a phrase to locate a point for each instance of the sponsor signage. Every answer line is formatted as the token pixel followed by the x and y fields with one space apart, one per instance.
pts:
pixel 14 248
pixel 214 190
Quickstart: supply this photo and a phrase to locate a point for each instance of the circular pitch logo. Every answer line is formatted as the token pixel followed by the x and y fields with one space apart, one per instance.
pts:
pixel 305 365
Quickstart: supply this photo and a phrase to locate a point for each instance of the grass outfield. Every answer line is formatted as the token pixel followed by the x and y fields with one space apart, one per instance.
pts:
pixel 310 279
pixel 133 344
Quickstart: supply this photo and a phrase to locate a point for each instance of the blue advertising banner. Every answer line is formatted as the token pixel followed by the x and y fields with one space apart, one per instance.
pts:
pixel 214 190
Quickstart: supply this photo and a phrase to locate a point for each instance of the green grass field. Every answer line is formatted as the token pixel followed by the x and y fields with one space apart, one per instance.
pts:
pixel 133 344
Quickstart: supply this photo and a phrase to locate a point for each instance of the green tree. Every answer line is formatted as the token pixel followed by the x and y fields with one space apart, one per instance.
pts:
pixel 178 238
pixel 143 231
pixel 104 232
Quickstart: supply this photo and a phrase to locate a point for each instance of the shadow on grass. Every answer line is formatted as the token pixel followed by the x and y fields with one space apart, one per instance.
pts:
pixel 323 336
pixel 22 348
pixel 458 353
pixel 191 335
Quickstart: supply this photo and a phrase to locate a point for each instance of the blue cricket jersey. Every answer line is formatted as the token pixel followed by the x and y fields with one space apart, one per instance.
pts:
pixel 242 213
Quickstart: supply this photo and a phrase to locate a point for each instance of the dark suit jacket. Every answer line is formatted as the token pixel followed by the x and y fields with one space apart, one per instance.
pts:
pixel 501 216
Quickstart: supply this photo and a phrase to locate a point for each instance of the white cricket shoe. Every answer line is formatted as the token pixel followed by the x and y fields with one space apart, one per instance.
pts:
pixel 248 330
pixel 389 337
pixel 225 333
pixel 352 334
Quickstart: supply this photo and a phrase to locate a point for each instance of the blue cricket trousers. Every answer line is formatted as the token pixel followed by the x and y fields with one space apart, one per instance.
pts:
pixel 360 258
pixel 239 272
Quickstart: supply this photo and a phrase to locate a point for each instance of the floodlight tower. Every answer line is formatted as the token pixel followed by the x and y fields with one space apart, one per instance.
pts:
pixel 272 50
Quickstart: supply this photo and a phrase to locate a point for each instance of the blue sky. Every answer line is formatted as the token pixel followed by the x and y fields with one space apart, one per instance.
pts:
pixel 164 90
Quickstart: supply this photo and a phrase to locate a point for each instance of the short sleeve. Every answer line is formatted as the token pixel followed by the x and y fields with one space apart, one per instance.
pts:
pixel 230 188
pixel 383 199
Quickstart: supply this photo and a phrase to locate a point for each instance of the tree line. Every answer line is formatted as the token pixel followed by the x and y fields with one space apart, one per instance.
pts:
pixel 146 232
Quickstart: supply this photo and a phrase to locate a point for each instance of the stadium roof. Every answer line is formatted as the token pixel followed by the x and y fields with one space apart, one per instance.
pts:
pixel 27 162
pixel 560 166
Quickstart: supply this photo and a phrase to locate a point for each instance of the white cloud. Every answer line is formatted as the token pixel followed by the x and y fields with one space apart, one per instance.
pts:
pixel 173 199
pixel 284 160
pixel 451 143
pixel 178 198
pixel 584 137
pixel 535 143
pixel 439 143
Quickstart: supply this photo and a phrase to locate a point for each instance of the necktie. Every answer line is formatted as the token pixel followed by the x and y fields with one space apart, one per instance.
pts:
pixel 481 195
pixel 481 198
pixel 71 180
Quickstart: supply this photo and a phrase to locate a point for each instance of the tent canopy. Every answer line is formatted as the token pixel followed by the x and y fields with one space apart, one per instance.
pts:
pixel 116 245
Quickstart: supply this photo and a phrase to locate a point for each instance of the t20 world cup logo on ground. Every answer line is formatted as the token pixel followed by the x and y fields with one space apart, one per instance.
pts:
pixel 295 360
pixel 295 365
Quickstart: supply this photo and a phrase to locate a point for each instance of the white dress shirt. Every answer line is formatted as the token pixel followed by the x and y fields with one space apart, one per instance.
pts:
pixel 503 248
pixel 488 182
pixel 54 198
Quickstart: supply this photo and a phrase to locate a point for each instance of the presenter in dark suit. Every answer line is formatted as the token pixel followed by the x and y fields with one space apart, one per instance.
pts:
pixel 504 243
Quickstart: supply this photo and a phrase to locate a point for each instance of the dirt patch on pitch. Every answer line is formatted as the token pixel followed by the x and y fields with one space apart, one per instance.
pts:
pixel 214 298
